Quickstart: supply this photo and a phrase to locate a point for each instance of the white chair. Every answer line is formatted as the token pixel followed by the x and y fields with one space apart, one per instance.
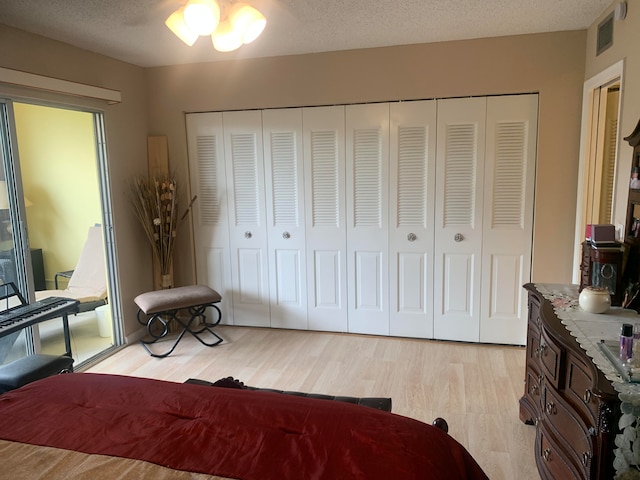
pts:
pixel 88 282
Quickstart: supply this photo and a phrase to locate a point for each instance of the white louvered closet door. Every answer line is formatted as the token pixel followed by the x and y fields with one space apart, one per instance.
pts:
pixel 412 193
pixel 248 226
pixel 324 165
pixel 458 219
pixel 367 162
pixel 508 217
pixel 284 183
pixel 211 222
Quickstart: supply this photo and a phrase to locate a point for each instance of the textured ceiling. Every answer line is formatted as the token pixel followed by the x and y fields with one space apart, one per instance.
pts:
pixel 134 31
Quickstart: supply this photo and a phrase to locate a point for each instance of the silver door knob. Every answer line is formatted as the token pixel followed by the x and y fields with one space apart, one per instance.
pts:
pixel 286 235
pixel 458 237
pixel 247 235
pixel 412 237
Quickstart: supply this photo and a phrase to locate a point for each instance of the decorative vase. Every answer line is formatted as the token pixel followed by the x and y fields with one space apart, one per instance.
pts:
pixel 594 299
pixel 167 281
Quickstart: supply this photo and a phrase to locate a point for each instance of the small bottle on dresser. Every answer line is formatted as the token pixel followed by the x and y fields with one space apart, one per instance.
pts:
pixel 626 343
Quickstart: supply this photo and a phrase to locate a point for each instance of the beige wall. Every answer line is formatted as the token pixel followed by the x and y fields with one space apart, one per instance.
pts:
pixel 626 46
pixel 551 64
pixel 126 129
pixel 154 102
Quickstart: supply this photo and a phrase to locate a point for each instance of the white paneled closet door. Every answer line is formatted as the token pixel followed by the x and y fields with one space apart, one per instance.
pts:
pixel 247 217
pixel 508 217
pixel 284 183
pixel 458 219
pixel 412 194
pixel 211 222
pixel 326 233
pixel 367 167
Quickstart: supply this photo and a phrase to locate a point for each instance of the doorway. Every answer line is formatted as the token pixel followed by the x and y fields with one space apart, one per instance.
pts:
pixel 598 156
pixel 57 161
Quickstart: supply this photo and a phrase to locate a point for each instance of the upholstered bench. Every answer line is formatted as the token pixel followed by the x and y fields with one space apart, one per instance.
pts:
pixel 157 309
pixel 31 368
pixel 380 403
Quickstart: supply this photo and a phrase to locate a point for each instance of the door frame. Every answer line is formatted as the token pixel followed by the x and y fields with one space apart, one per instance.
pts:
pixel 11 160
pixel 590 89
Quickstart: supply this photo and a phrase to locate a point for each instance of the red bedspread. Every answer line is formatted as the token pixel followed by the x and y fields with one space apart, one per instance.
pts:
pixel 232 433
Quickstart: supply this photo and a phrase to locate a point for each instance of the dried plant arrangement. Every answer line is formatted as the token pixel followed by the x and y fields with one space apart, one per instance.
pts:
pixel 155 203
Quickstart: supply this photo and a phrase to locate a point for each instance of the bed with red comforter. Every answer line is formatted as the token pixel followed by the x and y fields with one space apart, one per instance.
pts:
pixel 99 426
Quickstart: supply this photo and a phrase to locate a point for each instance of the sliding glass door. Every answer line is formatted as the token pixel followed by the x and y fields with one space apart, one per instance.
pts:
pixel 56 177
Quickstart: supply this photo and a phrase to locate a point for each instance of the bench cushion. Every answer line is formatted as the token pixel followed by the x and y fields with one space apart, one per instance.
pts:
pixel 176 298
pixel 31 368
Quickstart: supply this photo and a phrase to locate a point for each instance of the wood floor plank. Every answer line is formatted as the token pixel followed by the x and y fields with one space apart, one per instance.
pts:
pixel 476 388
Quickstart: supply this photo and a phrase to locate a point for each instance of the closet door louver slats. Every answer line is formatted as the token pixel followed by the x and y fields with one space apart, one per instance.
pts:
pixel 284 175
pixel 367 170
pixel 325 181
pixel 460 175
pixel 509 177
pixel 245 178
pixel 208 195
pixel 412 178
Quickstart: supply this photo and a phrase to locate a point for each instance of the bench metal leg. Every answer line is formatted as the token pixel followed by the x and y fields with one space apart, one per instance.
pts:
pixel 158 327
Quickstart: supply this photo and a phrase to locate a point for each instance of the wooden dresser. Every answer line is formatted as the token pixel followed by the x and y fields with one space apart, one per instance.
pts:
pixel 571 403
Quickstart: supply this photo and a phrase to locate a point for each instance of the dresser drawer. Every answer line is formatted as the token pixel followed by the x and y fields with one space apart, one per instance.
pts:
pixel 551 461
pixel 578 389
pixel 560 419
pixel 551 358
pixel 533 385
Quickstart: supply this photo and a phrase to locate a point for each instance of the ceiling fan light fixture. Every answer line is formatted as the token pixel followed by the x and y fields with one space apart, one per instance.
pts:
pixel 226 38
pixel 247 20
pixel 178 26
pixel 202 16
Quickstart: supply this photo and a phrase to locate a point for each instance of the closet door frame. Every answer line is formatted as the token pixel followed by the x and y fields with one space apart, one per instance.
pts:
pixel 285 202
pixel 367 167
pixel 411 217
pixel 325 217
pixel 247 217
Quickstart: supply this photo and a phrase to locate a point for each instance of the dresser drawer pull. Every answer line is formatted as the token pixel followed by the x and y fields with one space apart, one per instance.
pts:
pixel 587 396
pixel 551 408
pixel 534 389
pixel 585 458
pixel 546 454
pixel 540 351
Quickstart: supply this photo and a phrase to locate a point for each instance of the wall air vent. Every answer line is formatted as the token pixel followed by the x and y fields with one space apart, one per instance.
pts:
pixel 605 34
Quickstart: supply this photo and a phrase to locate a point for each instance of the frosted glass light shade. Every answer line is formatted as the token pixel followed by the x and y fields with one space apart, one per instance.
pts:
pixel 202 16
pixel 178 26
pixel 247 20
pixel 225 38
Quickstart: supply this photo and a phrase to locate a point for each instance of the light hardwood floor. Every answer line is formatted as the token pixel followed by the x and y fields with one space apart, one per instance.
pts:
pixel 476 388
